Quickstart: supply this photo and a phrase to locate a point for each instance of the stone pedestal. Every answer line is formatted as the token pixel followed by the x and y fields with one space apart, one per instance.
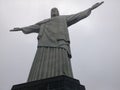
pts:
pixel 54 83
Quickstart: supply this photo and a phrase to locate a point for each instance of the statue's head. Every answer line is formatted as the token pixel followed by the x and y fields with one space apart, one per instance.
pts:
pixel 54 12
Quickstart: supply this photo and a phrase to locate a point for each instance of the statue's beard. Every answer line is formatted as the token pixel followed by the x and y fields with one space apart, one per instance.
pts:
pixel 54 14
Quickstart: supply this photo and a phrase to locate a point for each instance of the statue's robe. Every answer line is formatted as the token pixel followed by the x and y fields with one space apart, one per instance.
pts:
pixel 53 53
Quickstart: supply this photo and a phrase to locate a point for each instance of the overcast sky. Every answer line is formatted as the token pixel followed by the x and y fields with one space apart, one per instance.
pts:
pixel 95 41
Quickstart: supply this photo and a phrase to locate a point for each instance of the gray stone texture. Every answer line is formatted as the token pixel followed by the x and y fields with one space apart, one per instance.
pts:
pixel 50 62
pixel 53 53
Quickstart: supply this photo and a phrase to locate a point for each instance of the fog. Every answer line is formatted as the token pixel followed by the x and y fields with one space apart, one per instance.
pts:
pixel 95 41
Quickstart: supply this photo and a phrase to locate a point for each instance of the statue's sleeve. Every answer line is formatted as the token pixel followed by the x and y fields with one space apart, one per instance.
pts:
pixel 72 19
pixel 31 29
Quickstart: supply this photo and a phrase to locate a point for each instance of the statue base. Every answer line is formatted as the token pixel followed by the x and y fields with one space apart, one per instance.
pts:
pixel 55 83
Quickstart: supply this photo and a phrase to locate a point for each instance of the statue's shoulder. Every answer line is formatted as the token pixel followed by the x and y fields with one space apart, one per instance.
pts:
pixel 43 21
pixel 61 17
pixel 46 20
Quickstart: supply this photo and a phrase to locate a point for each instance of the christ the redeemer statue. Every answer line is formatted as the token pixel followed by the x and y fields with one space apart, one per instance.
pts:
pixel 53 53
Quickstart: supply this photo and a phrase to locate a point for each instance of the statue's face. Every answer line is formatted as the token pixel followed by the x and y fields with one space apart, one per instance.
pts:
pixel 54 12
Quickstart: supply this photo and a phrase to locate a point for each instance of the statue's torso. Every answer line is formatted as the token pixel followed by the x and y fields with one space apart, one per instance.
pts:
pixel 54 33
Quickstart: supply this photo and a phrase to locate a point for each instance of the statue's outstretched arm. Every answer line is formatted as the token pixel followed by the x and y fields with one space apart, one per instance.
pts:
pixel 26 30
pixel 72 19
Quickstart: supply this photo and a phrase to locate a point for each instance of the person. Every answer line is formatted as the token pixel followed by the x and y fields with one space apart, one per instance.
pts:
pixel 53 53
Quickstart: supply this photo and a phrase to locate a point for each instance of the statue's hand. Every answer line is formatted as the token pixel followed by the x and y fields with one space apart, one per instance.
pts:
pixel 96 5
pixel 16 29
